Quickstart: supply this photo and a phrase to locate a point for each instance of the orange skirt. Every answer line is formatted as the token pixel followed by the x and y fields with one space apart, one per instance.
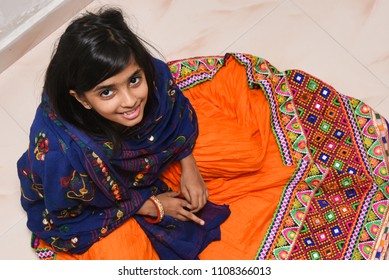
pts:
pixel 239 159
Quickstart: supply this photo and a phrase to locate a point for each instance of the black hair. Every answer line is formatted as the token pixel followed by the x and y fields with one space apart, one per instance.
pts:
pixel 93 48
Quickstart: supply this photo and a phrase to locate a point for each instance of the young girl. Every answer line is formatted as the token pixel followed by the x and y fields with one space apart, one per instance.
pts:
pixel 110 122
pixel 207 157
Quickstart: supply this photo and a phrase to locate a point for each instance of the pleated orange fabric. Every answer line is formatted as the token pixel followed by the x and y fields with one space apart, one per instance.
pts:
pixel 239 159
pixel 128 242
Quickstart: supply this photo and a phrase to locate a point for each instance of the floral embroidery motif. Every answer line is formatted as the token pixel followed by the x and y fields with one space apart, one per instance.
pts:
pixel 70 213
pixel 113 185
pixel 47 221
pixel 41 146
pixel 38 188
pixel 76 182
pixel 145 169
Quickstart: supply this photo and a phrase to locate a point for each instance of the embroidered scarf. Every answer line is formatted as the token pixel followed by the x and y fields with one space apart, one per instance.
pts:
pixel 75 191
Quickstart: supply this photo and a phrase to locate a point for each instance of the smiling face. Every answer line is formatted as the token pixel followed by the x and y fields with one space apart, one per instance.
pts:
pixel 121 98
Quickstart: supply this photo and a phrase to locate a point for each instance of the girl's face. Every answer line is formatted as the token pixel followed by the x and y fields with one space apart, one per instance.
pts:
pixel 121 98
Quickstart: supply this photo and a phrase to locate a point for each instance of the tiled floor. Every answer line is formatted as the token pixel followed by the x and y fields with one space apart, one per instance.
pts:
pixel 343 42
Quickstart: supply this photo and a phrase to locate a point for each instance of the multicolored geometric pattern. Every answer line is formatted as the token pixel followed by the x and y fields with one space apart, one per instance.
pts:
pixel 325 124
pixel 336 204
pixel 42 253
pixel 330 217
pixel 190 72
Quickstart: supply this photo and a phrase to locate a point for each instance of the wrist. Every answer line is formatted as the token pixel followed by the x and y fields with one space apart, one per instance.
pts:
pixel 188 162
pixel 160 212
pixel 147 209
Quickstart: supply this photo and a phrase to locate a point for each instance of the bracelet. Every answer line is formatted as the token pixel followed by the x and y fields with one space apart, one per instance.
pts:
pixel 160 211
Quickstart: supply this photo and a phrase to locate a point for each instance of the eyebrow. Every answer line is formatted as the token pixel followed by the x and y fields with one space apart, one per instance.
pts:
pixel 136 73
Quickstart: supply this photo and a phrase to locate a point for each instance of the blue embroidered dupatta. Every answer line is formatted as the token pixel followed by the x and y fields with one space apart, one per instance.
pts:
pixel 75 191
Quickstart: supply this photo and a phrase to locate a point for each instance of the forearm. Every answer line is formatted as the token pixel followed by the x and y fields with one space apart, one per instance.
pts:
pixel 147 209
pixel 189 164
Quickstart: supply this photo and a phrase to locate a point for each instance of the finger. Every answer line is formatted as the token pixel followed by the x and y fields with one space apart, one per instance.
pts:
pixel 196 219
pixel 201 203
pixel 192 217
pixel 172 194
pixel 193 208
pixel 186 193
pixel 194 204
pixel 181 218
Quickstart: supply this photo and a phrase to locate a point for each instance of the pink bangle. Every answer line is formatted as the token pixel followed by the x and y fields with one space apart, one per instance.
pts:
pixel 160 211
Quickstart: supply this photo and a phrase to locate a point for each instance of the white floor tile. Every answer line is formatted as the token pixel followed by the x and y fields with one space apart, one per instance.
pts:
pixel 21 85
pixel 192 28
pixel 11 211
pixel 290 39
pixel 15 243
pixel 12 143
pixel 383 108
pixel 360 26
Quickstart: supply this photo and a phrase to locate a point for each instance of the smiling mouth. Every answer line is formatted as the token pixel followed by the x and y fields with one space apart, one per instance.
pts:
pixel 131 114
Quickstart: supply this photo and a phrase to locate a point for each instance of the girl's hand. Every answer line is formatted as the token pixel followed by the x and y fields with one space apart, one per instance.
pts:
pixel 177 207
pixel 192 184
pixel 193 189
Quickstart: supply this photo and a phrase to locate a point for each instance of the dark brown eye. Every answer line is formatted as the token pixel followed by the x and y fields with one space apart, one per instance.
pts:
pixel 106 93
pixel 134 81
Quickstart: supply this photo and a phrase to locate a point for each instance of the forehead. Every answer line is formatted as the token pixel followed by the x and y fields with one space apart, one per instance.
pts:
pixel 130 70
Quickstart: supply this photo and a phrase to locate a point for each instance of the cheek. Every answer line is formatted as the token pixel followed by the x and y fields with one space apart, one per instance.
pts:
pixel 105 108
pixel 143 91
pixel 142 94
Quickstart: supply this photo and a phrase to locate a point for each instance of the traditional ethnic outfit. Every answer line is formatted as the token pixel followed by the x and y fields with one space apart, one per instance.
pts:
pixel 76 191
pixel 303 169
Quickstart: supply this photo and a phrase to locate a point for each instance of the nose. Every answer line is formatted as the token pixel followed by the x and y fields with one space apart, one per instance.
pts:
pixel 128 100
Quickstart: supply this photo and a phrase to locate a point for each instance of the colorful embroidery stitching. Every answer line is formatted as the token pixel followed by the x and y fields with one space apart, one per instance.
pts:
pixel 340 190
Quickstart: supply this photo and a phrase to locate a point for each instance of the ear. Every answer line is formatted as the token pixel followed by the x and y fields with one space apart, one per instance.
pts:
pixel 80 99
